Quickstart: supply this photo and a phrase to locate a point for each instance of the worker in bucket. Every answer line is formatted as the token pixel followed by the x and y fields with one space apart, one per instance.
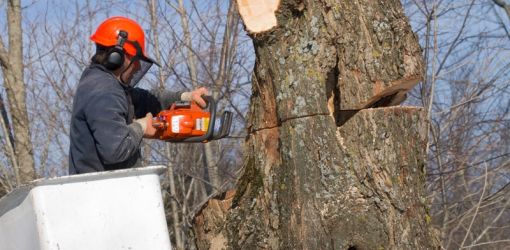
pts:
pixel 110 115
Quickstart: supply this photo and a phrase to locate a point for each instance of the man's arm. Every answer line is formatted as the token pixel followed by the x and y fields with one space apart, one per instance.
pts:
pixel 152 101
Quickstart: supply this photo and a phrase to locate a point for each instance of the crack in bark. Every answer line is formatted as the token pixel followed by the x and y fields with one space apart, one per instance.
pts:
pixel 280 122
pixel 333 91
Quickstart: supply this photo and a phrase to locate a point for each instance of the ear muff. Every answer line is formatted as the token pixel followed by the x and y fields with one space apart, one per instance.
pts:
pixel 116 54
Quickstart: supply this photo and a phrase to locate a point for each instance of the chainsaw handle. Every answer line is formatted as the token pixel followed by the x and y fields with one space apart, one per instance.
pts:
pixel 158 124
pixel 211 104
pixel 226 122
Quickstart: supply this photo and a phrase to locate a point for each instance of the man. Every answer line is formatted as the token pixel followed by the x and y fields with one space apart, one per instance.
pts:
pixel 110 116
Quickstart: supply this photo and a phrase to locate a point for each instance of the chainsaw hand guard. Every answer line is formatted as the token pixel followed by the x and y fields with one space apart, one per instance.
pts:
pixel 187 122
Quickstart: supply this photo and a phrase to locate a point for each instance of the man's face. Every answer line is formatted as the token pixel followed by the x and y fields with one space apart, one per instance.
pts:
pixel 129 69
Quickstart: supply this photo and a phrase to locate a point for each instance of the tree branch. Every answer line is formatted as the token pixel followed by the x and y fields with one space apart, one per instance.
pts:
pixel 503 4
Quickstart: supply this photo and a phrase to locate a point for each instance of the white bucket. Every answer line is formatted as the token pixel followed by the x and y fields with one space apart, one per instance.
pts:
pixel 109 210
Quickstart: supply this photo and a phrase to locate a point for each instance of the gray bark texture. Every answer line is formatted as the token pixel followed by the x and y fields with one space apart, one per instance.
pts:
pixel 11 61
pixel 319 174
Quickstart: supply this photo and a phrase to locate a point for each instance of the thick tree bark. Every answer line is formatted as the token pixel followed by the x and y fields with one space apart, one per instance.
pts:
pixel 11 61
pixel 318 174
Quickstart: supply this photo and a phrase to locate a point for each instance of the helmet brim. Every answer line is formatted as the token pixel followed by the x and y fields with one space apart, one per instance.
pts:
pixel 141 54
pixel 150 60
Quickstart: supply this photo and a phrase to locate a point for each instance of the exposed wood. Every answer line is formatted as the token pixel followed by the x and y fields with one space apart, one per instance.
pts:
pixel 211 217
pixel 393 94
pixel 258 15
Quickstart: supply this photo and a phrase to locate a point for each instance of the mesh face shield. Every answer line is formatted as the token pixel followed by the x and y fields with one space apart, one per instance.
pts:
pixel 144 67
pixel 145 64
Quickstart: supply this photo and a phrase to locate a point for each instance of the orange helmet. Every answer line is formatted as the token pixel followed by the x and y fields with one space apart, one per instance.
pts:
pixel 107 35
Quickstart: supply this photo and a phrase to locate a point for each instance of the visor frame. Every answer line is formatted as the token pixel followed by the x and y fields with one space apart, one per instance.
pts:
pixel 145 64
pixel 140 54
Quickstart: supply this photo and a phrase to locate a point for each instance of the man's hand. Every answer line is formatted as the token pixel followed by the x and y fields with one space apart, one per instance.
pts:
pixel 196 96
pixel 148 130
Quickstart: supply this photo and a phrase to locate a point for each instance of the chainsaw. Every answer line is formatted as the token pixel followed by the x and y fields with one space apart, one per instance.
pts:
pixel 185 121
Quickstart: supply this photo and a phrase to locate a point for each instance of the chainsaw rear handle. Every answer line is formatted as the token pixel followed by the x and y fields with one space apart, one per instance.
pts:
pixel 224 129
pixel 226 122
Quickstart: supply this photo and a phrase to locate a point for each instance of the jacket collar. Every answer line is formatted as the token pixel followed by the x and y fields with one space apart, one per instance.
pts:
pixel 104 69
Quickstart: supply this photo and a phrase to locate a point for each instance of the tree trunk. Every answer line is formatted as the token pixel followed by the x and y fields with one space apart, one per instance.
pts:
pixel 320 174
pixel 12 68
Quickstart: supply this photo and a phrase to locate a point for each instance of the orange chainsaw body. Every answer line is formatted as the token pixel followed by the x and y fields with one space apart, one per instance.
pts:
pixel 182 120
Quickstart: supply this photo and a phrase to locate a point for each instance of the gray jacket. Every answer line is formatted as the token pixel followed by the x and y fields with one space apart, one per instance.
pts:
pixel 103 135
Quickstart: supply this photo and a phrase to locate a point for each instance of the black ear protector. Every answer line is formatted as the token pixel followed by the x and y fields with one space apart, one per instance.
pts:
pixel 116 54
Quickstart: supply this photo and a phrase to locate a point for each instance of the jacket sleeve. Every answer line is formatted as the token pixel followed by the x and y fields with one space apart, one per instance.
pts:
pixel 152 101
pixel 115 140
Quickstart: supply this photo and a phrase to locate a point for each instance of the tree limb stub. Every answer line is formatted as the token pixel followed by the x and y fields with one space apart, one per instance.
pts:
pixel 258 15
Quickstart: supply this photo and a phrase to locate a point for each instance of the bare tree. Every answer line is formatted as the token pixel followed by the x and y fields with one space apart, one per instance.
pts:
pixel 17 140
pixel 466 93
